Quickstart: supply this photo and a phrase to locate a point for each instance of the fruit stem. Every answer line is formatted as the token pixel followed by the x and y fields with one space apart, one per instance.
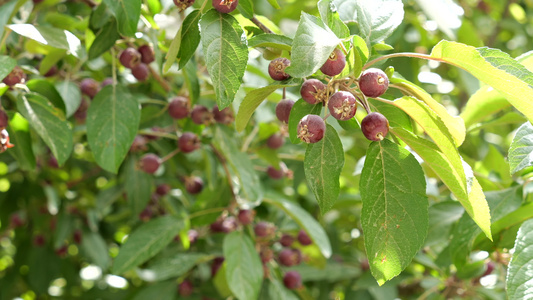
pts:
pixel 261 25
pixel 8 31
pixel 159 79
pixel 170 155
pixel 402 54
pixel 90 3
pixel 207 212
pixel 284 93
pixel 159 134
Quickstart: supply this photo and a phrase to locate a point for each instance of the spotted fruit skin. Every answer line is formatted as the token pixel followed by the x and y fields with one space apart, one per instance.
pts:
pixel 375 126
pixel 373 82
pixel 313 91
pixel 311 129
pixel 16 75
pixel 283 110
pixel 183 4
pixel 225 6
pixel 342 105
pixel 130 57
pixel 335 63
pixel 276 69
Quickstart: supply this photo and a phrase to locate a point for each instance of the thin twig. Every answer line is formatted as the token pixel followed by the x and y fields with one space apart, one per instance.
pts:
pixel 223 161
pixel 159 79
pixel 261 25
pixel 170 155
pixel 91 3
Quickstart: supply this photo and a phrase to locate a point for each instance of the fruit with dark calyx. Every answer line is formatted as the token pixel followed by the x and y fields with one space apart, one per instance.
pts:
pixel 179 107
pixel 201 115
pixel 246 216
pixel 224 116
pixel 89 87
pixel 51 72
pixel 147 53
pixel 313 91
pixel 39 240
pixel 264 229
pixel 162 189
pixel 106 82
pixel 276 69
pixel 183 4
pixel 141 72
pixel 16 75
pixel 146 214
pixel 217 263
pixel 266 255
pixel 4 119
pixel 224 225
pixel 335 63
pixel 375 126
pixel 373 82
pixel 286 240
pixel 342 105
pixel 311 129
pixel 62 251
pixel 292 280
pixel 150 163
pixel 185 288
pixel 275 173
pixel 275 141
pixel 304 239
pixel 194 184
pixel 290 257
pixel 188 142
pixel 225 6
pixel 130 57
pixel 283 110
pixel 139 144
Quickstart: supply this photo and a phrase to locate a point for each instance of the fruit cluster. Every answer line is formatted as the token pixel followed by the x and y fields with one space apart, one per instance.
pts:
pixel 339 97
pixel 138 60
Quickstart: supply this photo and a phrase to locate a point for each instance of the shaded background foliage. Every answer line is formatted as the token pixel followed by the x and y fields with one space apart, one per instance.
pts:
pixel 82 199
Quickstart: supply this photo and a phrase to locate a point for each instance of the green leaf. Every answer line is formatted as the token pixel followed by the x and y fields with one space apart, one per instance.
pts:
pixel 299 110
pixel 191 80
pixel 138 186
pixel 311 47
pixel 464 233
pixel 6 10
pixel 396 116
pixel 247 186
pixel 329 15
pixel 127 13
pixel 49 122
pixel 173 266
pixel 95 248
pixel 246 8
pixel 190 37
pixel 304 220
pixel 51 59
pixel 173 51
pixel 482 104
pixel 71 95
pixel 45 266
pixel 50 36
pixel 244 270
pixel 271 40
pixel 104 40
pixel 19 135
pixel 145 242
pixel 377 19
pixel 332 272
pixel 47 90
pixel 6 65
pixel 278 291
pixel 395 208
pixel 494 68
pixel 456 125
pixel 154 6
pixel 323 165
pixel 474 201
pixel 519 282
pixel 112 122
pixel 442 215
pixel 161 291
pixel 521 149
pixel 274 4
pixel 226 54
pixel 253 99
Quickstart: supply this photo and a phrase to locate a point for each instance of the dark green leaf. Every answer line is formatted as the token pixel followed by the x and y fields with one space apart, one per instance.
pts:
pixel 395 208
pixel 104 40
pixel 112 122
pixel 173 51
pixel 271 40
pixel 244 270
pixel 50 36
pixel 6 65
pixel 329 15
pixel 254 98
pixel 50 60
pixel 246 8
pixel 521 150
pixel 145 242
pixel 190 37
pixel 191 79
pixel 323 165
pixel 304 219
pixel 442 215
pixel 300 109
pixel 519 281
pixel 331 273
pixel 278 291
pixel 49 122
pixel 47 90
pixel 6 10
pixel 226 54
pixel 174 266
pixel 160 291
pixel 311 46
pixel 44 266
pixel 19 134
pixel 127 13
pixel 274 4
pixel 95 248
pixel 71 95
pixel 138 186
